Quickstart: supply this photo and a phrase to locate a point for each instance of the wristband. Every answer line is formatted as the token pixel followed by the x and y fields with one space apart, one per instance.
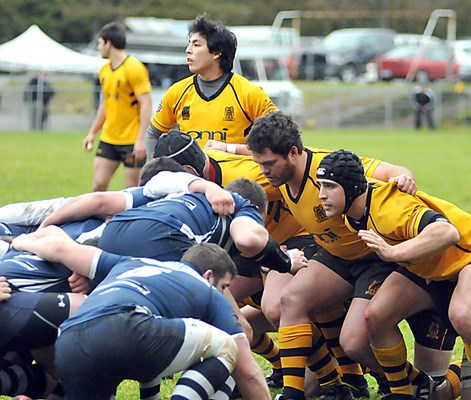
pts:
pixel 231 148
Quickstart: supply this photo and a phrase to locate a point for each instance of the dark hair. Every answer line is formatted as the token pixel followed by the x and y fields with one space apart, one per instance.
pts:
pixel 182 148
pixel 251 191
pixel 219 39
pixel 275 131
pixel 206 256
pixel 115 33
pixel 154 166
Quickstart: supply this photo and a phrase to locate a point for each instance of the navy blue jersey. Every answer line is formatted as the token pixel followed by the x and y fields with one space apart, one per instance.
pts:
pixel 29 273
pixel 165 289
pixel 188 216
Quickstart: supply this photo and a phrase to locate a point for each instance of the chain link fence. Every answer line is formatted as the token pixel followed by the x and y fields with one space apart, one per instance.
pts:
pixel 327 105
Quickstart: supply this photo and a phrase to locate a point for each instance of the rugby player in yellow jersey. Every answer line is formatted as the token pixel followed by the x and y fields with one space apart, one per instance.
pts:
pixel 214 102
pixel 124 114
pixel 343 269
pixel 429 237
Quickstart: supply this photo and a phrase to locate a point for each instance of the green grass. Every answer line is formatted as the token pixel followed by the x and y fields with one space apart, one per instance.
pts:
pixel 39 165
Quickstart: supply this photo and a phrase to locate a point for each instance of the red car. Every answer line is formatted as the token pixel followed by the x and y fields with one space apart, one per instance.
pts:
pixel 436 63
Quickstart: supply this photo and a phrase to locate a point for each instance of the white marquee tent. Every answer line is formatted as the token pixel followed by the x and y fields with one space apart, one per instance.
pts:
pixel 33 50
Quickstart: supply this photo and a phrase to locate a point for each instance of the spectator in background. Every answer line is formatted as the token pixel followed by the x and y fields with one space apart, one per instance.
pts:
pixel 423 101
pixel 123 114
pixel 38 94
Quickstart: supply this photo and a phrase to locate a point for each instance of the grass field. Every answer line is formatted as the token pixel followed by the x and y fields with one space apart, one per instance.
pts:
pixel 39 165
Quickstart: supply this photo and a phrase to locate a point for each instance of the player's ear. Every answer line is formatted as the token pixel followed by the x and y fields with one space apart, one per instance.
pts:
pixel 208 275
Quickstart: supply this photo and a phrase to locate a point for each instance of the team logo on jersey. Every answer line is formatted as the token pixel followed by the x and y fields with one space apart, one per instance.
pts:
pixel 373 288
pixel 229 113
pixel 159 108
pixel 319 212
pixel 186 113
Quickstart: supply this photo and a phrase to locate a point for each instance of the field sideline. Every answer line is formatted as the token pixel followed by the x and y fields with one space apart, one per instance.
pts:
pixel 39 165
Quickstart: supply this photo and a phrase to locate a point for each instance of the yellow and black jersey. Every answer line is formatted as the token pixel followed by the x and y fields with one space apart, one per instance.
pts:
pixel 120 88
pixel 226 116
pixel 226 167
pixel 398 216
pixel 330 233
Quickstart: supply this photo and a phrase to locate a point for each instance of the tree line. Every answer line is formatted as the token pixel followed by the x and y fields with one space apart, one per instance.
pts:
pixel 71 21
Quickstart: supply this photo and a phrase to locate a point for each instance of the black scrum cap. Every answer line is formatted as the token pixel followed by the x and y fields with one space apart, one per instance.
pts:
pixel 345 168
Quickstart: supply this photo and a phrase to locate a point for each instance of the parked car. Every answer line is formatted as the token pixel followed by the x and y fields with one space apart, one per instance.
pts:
pixel 436 63
pixel 346 52
pixel 462 53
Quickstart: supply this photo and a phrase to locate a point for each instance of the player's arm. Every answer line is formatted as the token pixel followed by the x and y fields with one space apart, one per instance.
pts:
pixel 404 177
pixel 53 244
pixel 254 242
pixel 436 237
pixel 241 149
pixel 96 126
pixel 145 115
pixel 87 206
pixel 248 374
pixel 152 136
pixel 167 182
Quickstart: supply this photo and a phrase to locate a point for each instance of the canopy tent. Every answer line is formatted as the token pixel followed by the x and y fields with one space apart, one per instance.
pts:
pixel 33 50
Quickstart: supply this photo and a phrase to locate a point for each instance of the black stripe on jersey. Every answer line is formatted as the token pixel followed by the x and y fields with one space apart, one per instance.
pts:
pixel 183 94
pixel 238 102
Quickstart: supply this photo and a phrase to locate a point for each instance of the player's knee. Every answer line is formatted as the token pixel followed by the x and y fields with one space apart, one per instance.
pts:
pixel 272 312
pixel 228 352
pixel 374 318
pixel 459 317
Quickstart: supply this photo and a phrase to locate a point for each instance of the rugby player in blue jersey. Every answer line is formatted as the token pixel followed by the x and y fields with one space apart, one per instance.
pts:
pixel 113 336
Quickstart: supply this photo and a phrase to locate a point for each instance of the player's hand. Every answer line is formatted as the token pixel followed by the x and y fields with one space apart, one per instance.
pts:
pixel 5 289
pixel 405 183
pixel 377 244
pixel 298 260
pixel 139 150
pixel 87 143
pixel 221 200
pixel 215 145
pixel 79 283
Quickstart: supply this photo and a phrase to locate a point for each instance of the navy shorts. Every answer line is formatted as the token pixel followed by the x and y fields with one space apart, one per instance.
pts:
pixel 94 357
pixel 30 320
pixel 365 274
pixel 121 153
pixel 144 238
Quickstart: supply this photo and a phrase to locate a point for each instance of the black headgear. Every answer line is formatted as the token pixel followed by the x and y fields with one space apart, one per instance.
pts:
pixel 345 168
pixel 182 148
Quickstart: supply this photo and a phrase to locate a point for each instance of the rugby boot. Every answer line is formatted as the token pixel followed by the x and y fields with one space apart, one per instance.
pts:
pixel 422 386
pixel 357 384
pixel 336 392
pixel 275 379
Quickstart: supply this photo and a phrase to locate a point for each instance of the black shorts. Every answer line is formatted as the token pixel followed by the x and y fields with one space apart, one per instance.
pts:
pixel 365 274
pixel 432 328
pixel 95 356
pixel 30 320
pixel 250 269
pixel 121 153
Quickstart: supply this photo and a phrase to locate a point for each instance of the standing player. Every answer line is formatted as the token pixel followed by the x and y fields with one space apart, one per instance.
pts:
pixel 214 103
pixel 124 113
